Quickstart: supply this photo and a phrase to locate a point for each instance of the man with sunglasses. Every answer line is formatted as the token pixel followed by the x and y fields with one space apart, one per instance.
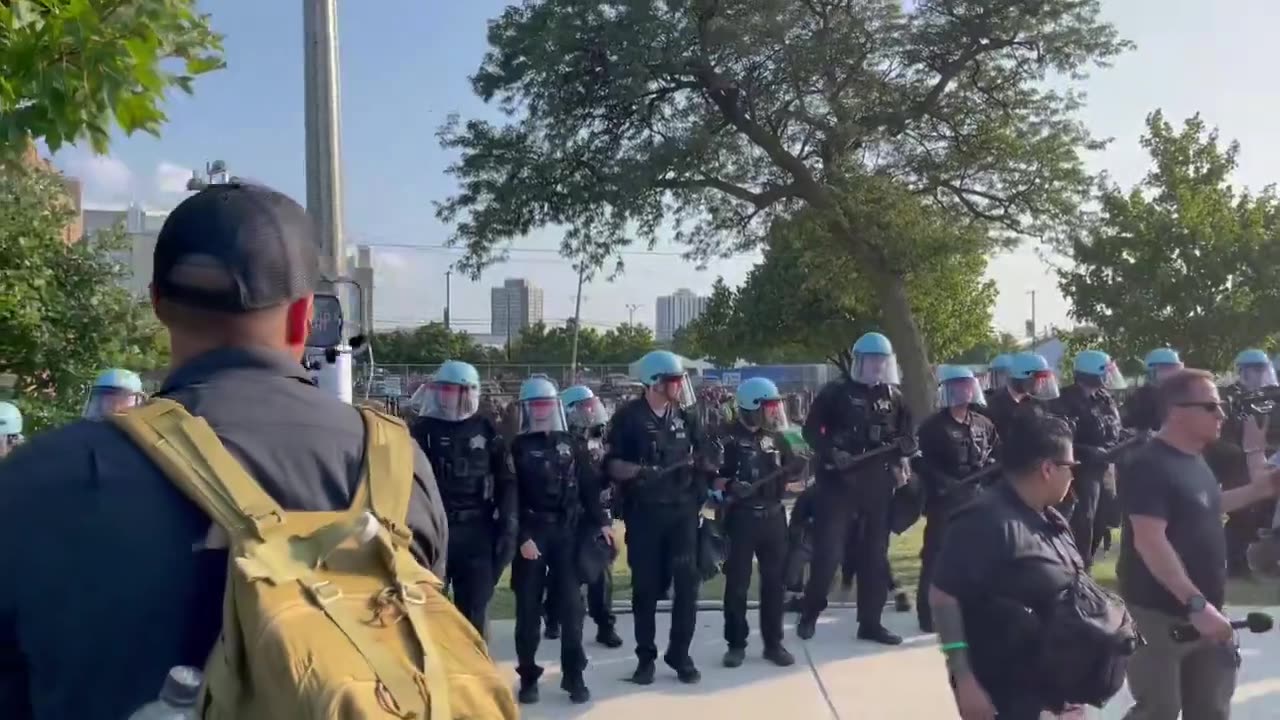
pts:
pixel 659 454
pixel 1173 557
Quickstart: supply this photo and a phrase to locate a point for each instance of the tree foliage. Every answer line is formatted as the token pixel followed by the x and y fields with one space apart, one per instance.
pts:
pixel 719 117
pixel 536 345
pixel 1183 259
pixel 63 315
pixel 809 299
pixel 75 68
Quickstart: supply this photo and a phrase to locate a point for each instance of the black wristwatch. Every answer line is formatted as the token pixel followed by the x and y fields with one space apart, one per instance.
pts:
pixel 1195 604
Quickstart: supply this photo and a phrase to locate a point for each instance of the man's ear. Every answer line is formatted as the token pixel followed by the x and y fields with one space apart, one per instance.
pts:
pixel 298 321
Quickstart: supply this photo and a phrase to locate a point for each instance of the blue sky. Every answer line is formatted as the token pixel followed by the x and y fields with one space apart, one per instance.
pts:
pixel 405 65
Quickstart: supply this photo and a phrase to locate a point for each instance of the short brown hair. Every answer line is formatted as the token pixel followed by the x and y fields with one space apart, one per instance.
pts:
pixel 1176 388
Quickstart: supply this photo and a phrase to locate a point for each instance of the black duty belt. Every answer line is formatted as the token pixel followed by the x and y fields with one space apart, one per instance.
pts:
pixel 462 516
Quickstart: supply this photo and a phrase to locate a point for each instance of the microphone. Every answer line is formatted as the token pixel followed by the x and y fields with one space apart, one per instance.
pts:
pixel 1254 622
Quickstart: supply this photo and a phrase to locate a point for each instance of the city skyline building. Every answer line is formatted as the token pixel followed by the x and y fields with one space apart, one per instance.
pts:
pixel 514 306
pixel 674 311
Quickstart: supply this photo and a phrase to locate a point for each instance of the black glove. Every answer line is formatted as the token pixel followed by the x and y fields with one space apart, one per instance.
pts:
pixel 739 489
pixel 906 445
pixel 504 549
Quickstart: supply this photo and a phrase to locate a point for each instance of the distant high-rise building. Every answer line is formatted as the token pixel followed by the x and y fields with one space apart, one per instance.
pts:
pixel 513 307
pixel 141 228
pixel 676 310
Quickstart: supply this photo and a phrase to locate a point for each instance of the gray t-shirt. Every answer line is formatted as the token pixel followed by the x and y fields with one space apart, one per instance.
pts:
pixel 1161 481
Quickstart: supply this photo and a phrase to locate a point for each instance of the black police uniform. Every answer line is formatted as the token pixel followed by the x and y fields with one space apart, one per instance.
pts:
pixel 559 499
pixel 756 469
pixel 662 515
pixel 1142 410
pixel 1005 411
pixel 951 451
pixel 1227 459
pixel 83 505
pixel 1095 420
pixel 470 461
pixel 855 418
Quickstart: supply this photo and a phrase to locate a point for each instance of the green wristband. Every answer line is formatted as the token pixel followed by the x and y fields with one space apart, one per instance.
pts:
pixel 955 646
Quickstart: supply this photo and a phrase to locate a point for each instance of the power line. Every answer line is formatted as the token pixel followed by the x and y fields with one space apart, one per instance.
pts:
pixel 543 251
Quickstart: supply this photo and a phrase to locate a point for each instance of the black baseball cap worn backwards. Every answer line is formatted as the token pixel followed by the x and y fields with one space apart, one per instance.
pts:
pixel 235 248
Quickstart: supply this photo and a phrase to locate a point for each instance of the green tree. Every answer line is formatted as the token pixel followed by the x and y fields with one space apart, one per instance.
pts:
pixel 63 315
pixel 1183 259
pixel 710 334
pixel 718 116
pixel 428 344
pixel 75 68
pixel 624 344
pixel 996 343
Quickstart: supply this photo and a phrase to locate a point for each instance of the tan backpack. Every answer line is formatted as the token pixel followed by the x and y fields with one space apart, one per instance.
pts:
pixel 326 615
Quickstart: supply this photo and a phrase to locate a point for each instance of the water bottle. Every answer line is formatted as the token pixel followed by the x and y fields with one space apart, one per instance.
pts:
pixel 177 699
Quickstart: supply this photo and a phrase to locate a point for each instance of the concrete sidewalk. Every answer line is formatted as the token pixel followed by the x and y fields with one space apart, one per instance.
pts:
pixel 835 677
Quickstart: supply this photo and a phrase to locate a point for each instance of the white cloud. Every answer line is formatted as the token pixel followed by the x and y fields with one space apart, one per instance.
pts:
pixel 171 178
pixel 105 179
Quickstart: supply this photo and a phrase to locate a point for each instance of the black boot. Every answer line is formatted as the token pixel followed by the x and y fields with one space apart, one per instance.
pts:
pixel 901 602
pixel 779 656
pixel 552 632
pixel 528 694
pixel 576 687
pixel 644 673
pixel 734 657
pixel 686 671
pixel 608 637
pixel 806 627
pixel 878 633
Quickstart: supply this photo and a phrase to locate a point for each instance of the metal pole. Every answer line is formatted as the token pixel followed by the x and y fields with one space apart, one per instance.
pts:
pixel 447 298
pixel 1035 329
pixel 324 130
pixel 577 326
pixel 508 293
pixel 631 314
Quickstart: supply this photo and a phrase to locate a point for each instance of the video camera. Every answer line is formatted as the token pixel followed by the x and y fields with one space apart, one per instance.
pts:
pixel 1258 403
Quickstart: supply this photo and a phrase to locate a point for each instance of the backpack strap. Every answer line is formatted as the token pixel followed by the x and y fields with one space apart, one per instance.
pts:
pixel 194 459
pixel 388 470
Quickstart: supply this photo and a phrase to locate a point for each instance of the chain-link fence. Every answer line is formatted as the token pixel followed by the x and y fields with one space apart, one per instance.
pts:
pixel 497 379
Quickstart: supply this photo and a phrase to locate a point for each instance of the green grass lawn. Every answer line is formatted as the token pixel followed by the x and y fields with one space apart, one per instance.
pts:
pixel 904 556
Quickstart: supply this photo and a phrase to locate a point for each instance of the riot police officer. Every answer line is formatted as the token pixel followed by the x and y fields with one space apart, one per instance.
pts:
pixel 861 431
pixel 997 374
pixel 1229 457
pixel 113 391
pixel 657 453
pixel 588 419
pixel 559 500
pixel 1141 411
pixel 757 466
pixel 957 446
pixel 1030 385
pixel 469 459
pixel 1088 407
pixel 10 428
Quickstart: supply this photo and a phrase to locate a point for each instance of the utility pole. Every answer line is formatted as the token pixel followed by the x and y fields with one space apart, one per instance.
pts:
pixel 577 325
pixel 1035 329
pixel 508 294
pixel 631 313
pixel 448 293
pixel 324 170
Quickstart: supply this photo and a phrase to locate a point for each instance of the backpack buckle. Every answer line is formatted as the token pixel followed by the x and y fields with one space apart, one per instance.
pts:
pixel 324 592
pixel 264 518
pixel 412 594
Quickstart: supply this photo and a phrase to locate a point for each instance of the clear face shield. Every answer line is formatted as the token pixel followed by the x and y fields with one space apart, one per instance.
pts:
pixel 875 369
pixel 1110 379
pixel 542 415
pixel 1157 373
pixel 104 402
pixel 1256 376
pixel 677 390
pixel 8 443
pixel 586 415
pixel 960 392
pixel 771 415
pixel 997 378
pixel 1043 385
pixel 449 402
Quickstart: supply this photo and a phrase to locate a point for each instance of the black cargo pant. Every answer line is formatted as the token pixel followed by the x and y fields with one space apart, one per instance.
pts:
pixel 755 532
pixel 470 569
pixel 555 570
pixel 800 540
pixel 599 602
pixel 935 527
pixel 662 537
pixel 864 500
pixel 1086 486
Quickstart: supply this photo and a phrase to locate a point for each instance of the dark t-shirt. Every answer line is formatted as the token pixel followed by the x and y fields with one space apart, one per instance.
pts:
pixel 1163 482
pixel 1000 559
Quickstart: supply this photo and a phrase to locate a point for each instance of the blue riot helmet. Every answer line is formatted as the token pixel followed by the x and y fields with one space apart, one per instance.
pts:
pixel 1254 370
pixel 10 427
pixel 113 391
pixel 1030 373
pixel 874 362
pixel 760 405
pixel 1161 363
pixel 663 370
pixel 540 408
pixel 584 411
pixel 958 387
pixel 1095 368
pixel 998 371
pixel 453 393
